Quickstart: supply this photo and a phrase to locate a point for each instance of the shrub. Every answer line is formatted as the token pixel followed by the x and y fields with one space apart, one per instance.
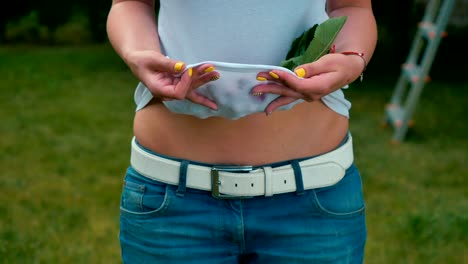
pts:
pixel 27 30
pixel 75 31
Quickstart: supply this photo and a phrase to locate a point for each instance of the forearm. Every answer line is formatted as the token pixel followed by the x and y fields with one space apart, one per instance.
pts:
pixel 131 26
pixel 359 34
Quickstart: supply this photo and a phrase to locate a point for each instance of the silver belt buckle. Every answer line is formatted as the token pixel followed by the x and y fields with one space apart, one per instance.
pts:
pixel 215 182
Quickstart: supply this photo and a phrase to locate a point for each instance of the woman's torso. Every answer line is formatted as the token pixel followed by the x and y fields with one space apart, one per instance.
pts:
pixel 307 129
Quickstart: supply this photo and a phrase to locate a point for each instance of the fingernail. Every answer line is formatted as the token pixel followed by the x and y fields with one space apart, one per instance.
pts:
pixel 268 113
pixel 274 75
pixel 178 66
pixel 209 69
pixel 300 72
pixel 257 93
pixel 214 78
pixel 190 72
pixel 262 79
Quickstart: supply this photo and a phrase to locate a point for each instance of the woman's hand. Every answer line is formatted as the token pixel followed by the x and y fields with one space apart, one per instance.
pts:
pixel 162 77
pixel 313 81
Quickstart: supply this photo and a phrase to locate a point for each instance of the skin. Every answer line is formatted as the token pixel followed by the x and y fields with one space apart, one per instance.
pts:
pixel 307 129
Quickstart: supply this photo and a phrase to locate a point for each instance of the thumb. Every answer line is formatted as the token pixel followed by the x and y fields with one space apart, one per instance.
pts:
pixel 172 66
pixel 177 66
pixel 166 64
pixel 309 69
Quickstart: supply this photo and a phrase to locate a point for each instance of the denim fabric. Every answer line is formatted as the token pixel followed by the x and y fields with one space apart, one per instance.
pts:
pixel 324 225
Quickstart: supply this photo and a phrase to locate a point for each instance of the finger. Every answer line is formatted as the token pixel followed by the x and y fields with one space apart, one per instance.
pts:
pixel 204 68
pixel 277 103
pixel 268 76
pixel 161 84
pixel 313 87
pixel 181 86
pixel 275 88
pixel 201 70
pixel 286 78
pixel 197 98
pixel 204 74
pixel 191 79
pixel 206 78
pixel 264 76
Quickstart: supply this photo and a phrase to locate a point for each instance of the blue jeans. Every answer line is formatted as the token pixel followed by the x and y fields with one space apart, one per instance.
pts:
pixel 324 225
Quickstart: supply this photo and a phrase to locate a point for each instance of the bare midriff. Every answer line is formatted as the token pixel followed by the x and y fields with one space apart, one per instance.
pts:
pixel 308 129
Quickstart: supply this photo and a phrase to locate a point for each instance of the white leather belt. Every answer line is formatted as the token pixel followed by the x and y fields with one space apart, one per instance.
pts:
pixel 246 181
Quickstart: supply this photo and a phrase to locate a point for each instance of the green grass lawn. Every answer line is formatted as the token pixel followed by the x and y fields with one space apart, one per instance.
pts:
pixel 66 127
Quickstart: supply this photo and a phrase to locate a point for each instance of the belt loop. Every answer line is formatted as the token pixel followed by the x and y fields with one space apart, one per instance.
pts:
pixel 268 181
pixel 298 176
pixel 182 178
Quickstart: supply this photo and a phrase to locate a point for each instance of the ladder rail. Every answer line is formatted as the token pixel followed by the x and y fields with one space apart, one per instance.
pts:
pixel 415 70
pixel 441 22
pixel 431 11
pixel 400 90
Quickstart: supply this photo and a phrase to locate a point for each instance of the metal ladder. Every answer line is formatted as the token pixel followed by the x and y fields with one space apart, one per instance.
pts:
pixel 414 72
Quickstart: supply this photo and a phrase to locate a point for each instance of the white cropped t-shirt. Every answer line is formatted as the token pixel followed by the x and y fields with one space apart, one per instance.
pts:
pixel 241 38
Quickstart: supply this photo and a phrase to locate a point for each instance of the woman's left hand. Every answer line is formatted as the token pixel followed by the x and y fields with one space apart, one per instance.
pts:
pixel 313 81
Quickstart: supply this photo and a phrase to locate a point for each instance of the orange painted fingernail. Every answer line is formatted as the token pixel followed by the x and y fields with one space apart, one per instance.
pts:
pixel 274 75
pixel 190 72
pixel 178 66
pixel 300 72
pixel 262 79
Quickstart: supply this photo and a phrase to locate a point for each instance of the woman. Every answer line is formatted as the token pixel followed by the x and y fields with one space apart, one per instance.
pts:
pixel 294 192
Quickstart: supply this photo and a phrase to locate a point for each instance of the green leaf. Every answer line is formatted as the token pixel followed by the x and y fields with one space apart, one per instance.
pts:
pixel 323 39
pixel 291 63
pixel 306 48
pixel 300 44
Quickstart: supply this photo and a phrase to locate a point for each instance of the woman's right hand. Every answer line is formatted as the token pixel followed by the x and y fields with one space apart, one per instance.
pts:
pixel 161 75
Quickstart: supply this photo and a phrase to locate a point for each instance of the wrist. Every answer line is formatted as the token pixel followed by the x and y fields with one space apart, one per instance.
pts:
pixel 356 54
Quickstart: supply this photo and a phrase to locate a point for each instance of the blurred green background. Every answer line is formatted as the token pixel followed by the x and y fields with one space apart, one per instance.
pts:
pixel 67 107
